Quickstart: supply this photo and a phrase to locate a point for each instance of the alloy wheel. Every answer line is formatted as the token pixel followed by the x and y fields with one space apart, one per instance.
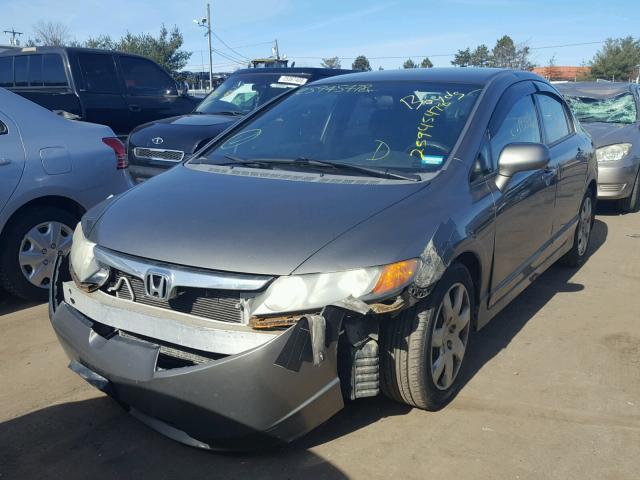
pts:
pixel 450 336
pixel 584 226
pixel 39 249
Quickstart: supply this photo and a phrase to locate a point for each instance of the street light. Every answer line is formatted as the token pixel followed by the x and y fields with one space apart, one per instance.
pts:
pixel 206 23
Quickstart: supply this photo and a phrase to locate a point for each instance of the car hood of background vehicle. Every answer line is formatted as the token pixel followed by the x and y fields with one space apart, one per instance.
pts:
pixel 609 133
pixel 182 133
pixel 238 223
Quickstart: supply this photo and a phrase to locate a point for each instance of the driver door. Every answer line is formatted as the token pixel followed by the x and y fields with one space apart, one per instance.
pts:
pixel 525 210
pixel 11 159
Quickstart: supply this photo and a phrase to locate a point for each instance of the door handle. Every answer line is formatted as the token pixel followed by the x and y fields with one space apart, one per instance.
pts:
pixel 135 108
pixel 4 161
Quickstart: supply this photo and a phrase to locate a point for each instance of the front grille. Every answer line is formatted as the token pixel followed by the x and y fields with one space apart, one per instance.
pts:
pixel 158 154
pixel 222 305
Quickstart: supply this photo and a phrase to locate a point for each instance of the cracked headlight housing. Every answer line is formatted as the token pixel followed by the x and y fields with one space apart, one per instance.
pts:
pixel 612 153
pixel 297 293
pixel 86 271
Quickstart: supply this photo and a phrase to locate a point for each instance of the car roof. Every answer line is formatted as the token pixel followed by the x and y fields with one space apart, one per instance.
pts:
pixel 593 89
pixel 476 76
pixel 32 50
pixel 293 70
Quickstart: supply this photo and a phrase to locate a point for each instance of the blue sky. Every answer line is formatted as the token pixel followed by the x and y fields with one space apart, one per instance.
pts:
pixel 307 30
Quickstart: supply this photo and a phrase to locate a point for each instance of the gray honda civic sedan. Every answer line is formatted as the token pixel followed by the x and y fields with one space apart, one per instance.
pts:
pixel 344 240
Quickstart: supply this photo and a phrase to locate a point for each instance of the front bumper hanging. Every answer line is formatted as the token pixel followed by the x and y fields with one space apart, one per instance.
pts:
pixel 267 395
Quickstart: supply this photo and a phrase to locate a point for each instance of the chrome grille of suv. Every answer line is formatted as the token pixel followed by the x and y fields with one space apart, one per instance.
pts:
pixel 221 305
pixel 158 154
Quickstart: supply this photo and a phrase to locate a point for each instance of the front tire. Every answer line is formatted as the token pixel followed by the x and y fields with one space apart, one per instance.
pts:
pixel 576 256
pixel 631 204
pixel 29 250
pixel 423 350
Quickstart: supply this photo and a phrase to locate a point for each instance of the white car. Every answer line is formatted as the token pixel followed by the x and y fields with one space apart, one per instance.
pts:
pixel 51 171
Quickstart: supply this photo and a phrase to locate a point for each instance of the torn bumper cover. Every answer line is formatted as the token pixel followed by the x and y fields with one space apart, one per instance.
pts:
pixel 267 395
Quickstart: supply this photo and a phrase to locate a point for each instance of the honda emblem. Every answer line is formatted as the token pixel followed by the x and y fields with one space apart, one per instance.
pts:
pixel 157 285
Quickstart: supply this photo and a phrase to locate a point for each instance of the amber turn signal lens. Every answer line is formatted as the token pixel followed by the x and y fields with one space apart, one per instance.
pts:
pixel 395 276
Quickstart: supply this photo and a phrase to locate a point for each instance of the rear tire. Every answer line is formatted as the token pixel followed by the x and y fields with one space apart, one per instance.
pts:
pixel 631 204
pixel 14 271
pixel 578 253
pixel 422 350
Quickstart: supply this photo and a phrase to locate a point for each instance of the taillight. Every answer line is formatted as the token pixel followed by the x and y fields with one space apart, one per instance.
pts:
pixel 122 161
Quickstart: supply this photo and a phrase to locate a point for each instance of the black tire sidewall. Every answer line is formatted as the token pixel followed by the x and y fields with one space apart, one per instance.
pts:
pixel 456 273
pixel 11 276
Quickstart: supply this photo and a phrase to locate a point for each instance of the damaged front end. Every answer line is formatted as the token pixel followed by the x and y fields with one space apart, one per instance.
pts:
pixel 212 384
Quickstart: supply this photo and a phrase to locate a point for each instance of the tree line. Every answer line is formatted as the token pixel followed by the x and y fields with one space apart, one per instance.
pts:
pixel 618 58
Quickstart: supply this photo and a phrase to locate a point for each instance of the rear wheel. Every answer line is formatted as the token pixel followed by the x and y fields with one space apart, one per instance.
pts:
pixel 578 253
pixel 423 350
pixel 30 248
pixel 632 202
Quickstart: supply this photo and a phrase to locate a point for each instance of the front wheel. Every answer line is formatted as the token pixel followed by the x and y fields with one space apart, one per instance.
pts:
pixel 423 350
pixel 631 204
pixel 578 253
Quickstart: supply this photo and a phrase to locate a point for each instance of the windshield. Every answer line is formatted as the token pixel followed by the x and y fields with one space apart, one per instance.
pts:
pixel 404 126
pixel 618 109
pixel 245 92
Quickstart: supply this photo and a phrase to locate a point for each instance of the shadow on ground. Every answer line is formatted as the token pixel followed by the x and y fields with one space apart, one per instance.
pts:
pixel 10 304
pixel 96 439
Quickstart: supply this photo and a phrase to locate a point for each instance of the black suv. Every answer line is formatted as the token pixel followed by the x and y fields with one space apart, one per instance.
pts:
pixel 100 86
pixel 159 145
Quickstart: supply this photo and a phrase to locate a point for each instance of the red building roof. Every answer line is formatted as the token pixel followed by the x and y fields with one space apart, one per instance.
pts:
pixel 563 73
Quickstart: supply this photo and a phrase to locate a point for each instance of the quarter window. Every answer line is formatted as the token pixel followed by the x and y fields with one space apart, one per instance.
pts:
pixel 519 125
pixel 6 72
pixel 143 77
pixel 554 118
pixel 98 72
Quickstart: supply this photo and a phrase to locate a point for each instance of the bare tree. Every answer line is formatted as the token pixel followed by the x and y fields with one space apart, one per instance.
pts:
pixel 54 34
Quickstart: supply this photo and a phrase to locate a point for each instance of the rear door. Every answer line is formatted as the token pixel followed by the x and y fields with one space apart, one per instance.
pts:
pixel 100 90
pixel 11 158
pixel 567 157
pixel 150 92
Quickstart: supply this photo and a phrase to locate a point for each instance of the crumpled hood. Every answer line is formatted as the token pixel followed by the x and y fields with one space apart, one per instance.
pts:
pixel 609 133
pixel 239 223
pixel 183 133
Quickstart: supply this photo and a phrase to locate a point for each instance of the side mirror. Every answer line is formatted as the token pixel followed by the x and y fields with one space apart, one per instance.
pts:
pixel 520 157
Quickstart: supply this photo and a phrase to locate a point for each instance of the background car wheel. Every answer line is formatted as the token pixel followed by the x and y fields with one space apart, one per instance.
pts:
pixel 632 202
pixel 423 350
pixel 576 256
pixel 29 250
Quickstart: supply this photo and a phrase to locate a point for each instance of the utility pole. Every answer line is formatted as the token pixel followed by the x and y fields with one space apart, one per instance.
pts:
pixel 206 22
pixel 277 50
pixel 210 50
pixel 14 42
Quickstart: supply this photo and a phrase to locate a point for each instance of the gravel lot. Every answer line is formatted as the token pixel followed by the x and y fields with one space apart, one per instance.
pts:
pixel 553 391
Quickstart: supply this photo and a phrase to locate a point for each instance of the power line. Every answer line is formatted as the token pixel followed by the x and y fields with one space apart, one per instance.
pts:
pixel 230 48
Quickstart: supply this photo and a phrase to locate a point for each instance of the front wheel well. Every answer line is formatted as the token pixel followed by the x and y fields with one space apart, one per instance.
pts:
pixel 62 203
pixel 593 187
pixel 472 264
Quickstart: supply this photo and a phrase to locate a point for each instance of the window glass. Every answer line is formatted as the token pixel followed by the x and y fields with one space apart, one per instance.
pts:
pixel 243 92
pixel 53 74
pixel 519 125
pixel 554 118
pixel 143 77
pixel 35 70
pixel 99 73
pixel 21 69
pixel 617 109
pixel 407 126
pixel 6 72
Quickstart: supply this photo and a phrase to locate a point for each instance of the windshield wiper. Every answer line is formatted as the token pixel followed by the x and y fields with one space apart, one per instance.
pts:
pixel 234 113
pixel 373 172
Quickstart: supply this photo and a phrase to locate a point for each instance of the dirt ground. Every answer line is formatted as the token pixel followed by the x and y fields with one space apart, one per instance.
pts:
pixel 552 391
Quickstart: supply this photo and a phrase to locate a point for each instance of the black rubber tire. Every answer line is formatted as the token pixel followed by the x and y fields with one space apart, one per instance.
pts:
pixel 631 204
pixel 11 277
pixel 572 258
pixel 405 348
